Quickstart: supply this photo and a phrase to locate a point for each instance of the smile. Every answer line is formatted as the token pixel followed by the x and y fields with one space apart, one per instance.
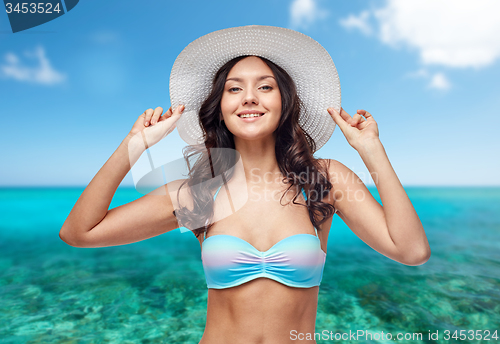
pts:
pixel 250 117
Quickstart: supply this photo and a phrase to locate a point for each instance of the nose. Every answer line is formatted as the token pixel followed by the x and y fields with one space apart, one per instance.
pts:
pixel 250 97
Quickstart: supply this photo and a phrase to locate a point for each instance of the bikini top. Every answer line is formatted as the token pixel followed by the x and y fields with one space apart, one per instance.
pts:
pixel 296 261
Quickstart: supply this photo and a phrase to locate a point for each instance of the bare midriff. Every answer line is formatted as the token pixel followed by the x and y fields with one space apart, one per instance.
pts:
pixel 261 311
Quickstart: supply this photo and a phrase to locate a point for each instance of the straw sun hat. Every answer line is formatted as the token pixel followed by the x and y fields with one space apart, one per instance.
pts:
pixel 305 60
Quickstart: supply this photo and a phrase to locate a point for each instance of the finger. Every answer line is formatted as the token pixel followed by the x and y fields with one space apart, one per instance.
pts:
pixel 339 120
pixel 346 116
pixel 365 113
pixel 357 119
pixel 156 115
pixel 178 110
pixel 166 115
pixel 148 113
pixel 170 123
pixel 363 125
pixel 353 122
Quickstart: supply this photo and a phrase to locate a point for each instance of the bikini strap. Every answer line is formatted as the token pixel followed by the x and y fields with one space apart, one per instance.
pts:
pixel 217 191
pixel 305 196
pixel 205 232
pixel 304 193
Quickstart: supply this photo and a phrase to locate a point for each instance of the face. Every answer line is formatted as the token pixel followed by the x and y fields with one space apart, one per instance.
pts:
pixel 251 88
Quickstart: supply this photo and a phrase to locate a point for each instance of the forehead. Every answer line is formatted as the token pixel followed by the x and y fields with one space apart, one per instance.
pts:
pixel 250 66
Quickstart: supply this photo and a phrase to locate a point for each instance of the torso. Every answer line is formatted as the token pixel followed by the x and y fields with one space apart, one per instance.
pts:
pixel 263 310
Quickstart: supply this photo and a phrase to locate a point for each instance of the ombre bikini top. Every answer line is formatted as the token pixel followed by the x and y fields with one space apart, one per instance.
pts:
pixel 296 261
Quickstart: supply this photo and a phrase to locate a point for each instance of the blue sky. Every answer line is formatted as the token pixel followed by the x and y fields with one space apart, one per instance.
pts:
pixel 71 89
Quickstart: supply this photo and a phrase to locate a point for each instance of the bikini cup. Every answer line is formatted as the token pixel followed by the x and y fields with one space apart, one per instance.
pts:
pixel 295 261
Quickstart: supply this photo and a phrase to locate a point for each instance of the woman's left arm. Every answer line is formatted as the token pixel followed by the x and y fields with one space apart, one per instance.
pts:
pixel 401 220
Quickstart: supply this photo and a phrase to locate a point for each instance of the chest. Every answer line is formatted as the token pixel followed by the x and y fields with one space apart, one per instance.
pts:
pixel 262 217
pixel 259 209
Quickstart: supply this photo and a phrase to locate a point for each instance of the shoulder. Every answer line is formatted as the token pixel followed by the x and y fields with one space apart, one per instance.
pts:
pixel 348 189
pixel 338 173
pixel 180 193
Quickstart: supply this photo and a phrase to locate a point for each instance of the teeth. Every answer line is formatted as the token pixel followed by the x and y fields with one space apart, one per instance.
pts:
pixel 251 115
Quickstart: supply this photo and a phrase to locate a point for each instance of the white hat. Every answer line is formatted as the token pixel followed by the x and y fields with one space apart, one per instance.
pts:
pixel 305 60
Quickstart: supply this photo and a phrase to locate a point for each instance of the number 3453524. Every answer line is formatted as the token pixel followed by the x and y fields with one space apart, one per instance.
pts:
pixel 40 7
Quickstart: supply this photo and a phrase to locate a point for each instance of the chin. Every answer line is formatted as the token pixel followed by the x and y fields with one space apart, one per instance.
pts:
pixel 253 136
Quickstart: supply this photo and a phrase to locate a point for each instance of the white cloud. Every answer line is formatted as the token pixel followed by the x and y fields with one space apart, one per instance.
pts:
pixel 436 81
pixel 305 12
pixel 440 82
pixel 42 73
pixel 358 22
pixel 455 33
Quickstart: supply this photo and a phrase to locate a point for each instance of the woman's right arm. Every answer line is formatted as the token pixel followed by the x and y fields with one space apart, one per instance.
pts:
pixel 91 224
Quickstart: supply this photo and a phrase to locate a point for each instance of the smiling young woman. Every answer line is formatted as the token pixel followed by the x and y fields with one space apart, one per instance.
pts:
pixel 270 98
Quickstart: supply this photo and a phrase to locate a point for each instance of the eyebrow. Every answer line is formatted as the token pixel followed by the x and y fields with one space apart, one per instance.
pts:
pixel 258 79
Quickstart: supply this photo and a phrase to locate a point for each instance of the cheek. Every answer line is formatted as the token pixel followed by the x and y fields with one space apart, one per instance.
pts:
pixel 228 105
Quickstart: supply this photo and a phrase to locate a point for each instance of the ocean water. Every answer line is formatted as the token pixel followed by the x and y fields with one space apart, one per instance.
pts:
pixel 154 291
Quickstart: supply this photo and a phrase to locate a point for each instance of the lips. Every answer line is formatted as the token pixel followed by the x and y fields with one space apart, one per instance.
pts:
pixel 251 119
pixel 249 113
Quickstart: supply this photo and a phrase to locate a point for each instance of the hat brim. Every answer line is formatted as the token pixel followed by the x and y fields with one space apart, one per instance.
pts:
pixel 304 59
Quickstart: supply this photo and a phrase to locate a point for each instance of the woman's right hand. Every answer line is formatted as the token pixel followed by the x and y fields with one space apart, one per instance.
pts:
pixel 154 125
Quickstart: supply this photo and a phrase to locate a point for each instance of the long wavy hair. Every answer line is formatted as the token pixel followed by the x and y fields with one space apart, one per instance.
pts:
pixel 294 154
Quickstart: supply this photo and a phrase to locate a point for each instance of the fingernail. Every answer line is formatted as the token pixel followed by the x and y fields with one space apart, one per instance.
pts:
pixel 181 108
pixel 146 124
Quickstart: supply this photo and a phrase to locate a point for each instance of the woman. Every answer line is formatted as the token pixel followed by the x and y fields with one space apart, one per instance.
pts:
pixel 263 260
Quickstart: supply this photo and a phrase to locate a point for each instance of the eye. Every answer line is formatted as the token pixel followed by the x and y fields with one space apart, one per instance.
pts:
pixel 233 88
pixel 268 87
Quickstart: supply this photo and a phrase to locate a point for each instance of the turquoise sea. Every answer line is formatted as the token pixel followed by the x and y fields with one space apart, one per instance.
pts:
pixel 155 292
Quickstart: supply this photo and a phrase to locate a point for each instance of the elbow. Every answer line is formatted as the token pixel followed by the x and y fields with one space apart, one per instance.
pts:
pixel 68 239
pixel 65 239
pixel 418 259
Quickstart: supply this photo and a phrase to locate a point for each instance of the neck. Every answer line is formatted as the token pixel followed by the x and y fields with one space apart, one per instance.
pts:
pixel 259 160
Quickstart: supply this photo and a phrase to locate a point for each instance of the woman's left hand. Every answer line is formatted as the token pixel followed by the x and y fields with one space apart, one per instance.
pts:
pixel 357 130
